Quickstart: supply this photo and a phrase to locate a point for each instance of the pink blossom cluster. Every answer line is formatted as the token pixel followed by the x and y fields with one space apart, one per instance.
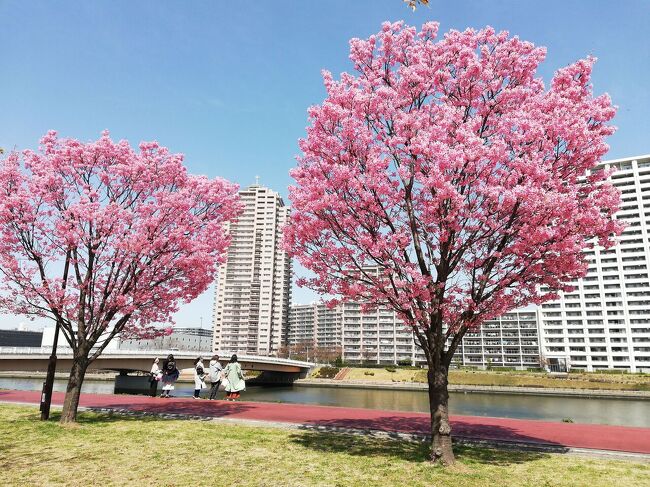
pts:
pixel 445 180
pixel 100 237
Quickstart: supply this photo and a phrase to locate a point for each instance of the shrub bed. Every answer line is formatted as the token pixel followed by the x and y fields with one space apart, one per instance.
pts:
pixel 326 372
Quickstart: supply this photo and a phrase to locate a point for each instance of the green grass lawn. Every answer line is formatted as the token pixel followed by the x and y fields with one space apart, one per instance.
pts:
pixel 594 381
pixel 107 450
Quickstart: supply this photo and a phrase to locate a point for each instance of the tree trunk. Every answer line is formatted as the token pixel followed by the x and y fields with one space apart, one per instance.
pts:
pixel 73 391
pixel 441 449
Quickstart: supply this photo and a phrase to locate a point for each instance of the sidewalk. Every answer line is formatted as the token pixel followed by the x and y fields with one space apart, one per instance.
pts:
pixel 567 435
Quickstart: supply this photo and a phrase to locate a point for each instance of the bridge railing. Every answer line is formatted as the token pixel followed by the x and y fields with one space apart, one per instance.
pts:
pixel 34 350
pixel 61 351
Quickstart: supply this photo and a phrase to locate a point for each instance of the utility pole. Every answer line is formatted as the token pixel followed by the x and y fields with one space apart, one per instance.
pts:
pixel 48 385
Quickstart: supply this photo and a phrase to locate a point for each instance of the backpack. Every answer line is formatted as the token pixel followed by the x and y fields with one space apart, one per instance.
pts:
pixel 199 370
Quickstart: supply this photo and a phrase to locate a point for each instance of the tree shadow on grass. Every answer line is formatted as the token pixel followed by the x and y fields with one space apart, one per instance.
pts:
pixel 147 407
pixel 482 443
pixel 184 410
pixel 4 446
pixel 397 426
pixel 93 417
pixel 176 408
pixel 496 456
pixel 358 445
pixel 407 450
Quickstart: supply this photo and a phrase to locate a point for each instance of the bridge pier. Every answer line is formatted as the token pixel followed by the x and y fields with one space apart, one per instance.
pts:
pixel 131 384
pixel 270 378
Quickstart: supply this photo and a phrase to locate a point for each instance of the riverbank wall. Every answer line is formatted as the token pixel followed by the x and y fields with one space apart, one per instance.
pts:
pixel 533 391
pixel 106 376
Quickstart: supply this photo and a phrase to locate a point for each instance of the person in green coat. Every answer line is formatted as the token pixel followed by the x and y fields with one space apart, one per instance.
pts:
pixel 235 379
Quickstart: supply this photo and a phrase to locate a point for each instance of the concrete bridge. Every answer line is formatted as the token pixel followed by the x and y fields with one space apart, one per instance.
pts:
pixel 274 370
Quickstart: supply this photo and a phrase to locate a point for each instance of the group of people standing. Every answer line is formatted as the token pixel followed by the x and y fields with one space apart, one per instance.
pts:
pixel 167 375
pixel 231 377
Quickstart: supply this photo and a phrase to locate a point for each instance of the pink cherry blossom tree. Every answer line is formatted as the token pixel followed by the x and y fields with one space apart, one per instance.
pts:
pixel 105 240
pixel 444 181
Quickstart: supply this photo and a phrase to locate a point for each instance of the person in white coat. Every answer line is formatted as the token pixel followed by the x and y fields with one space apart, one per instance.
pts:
pixel 199 376
pixel 154 376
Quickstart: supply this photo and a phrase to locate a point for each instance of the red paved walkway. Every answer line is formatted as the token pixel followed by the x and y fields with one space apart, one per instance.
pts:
pixel 600 437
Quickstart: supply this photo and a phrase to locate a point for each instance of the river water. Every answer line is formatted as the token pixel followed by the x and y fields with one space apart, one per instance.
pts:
pixel 625 412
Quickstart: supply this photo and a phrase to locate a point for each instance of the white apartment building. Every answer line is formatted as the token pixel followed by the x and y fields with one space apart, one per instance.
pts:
pixel 251 310
pixel 376 336
pixel 605 322
pixel 379 336
pixel 181 339
pixel 314 323
pixel 511 340
pixel 302 323
pixel 184 339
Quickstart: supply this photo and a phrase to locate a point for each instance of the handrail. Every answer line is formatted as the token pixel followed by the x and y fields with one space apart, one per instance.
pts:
pixel 150 353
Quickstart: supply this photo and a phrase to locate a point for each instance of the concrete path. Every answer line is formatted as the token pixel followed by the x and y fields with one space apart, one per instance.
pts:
pixel 542 433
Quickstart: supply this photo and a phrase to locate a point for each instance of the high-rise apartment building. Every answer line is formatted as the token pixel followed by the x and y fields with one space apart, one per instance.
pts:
pixel 511 340
pixel 605 322
pixel 316 324
pixel 372 336
pixel 253 291
pixel 380 336
pixel 302 323
pixel 375 336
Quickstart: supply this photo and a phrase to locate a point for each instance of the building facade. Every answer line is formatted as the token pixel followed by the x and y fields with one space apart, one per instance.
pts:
pixel 376 336
pixel 20 338
pixel 253 292
pixel 302 324
pixel 511 340
pixel 380 337
pixel 605 322
pixel 314 323
pixel 181 339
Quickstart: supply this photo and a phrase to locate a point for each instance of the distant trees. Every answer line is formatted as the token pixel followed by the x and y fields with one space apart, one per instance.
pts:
pixel 308 350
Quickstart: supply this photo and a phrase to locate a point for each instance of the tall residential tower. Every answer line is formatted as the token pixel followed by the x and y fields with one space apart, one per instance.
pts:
pixel 253 291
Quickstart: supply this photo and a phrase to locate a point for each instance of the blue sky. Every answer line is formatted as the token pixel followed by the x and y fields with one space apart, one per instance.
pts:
pixel 228 83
